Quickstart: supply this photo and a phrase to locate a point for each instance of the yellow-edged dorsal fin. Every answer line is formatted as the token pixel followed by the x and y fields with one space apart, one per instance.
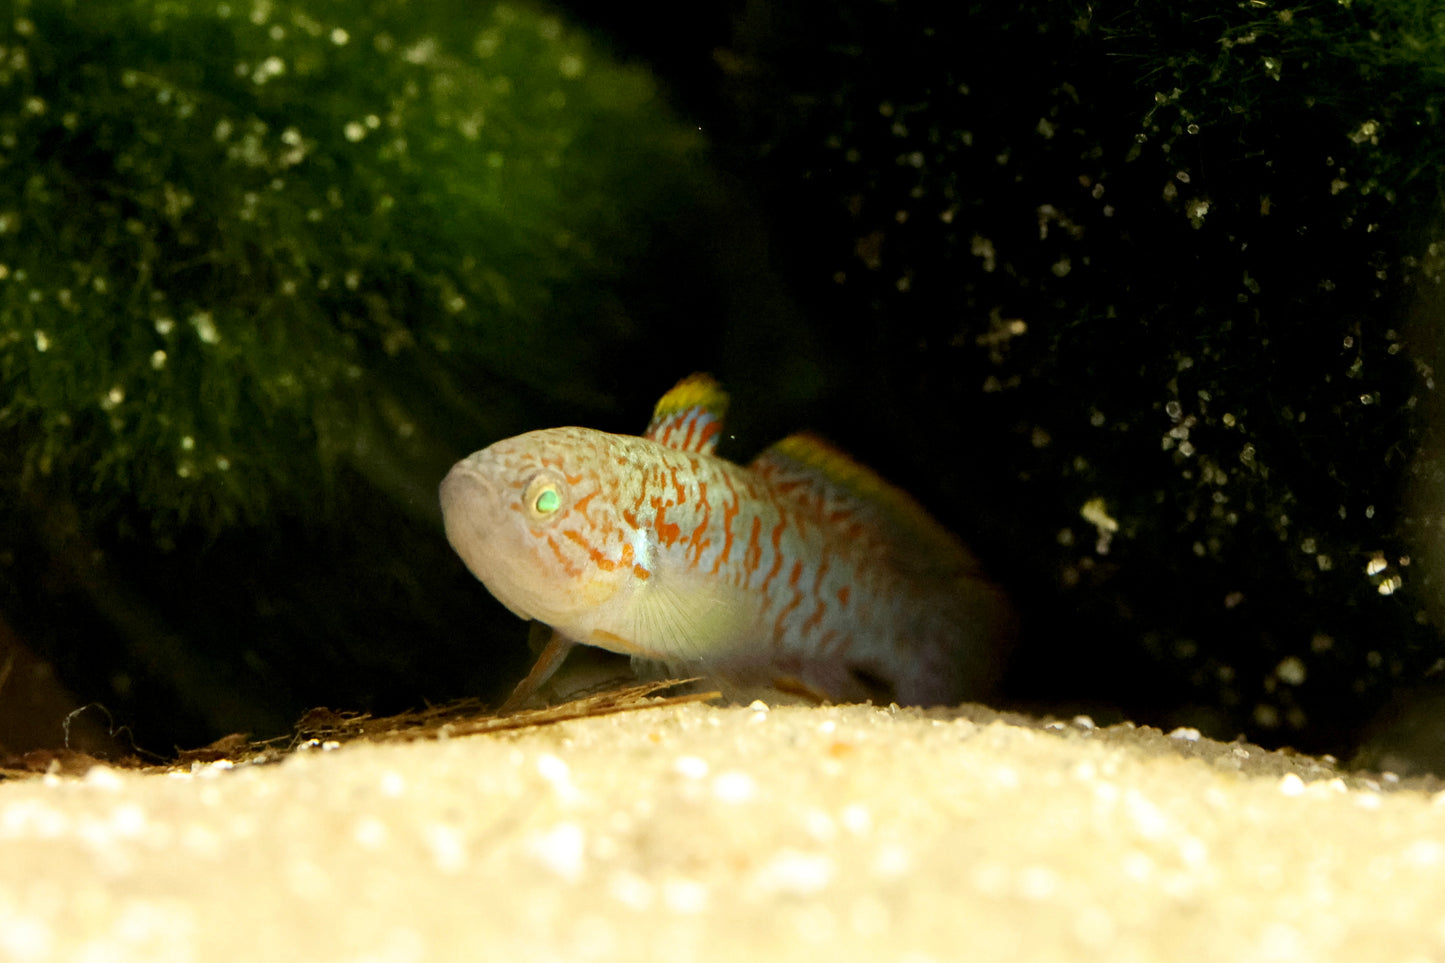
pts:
pixel 690 416
pixel 804 465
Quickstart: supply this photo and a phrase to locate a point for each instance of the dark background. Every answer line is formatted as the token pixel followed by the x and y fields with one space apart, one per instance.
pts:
pixel 1177 257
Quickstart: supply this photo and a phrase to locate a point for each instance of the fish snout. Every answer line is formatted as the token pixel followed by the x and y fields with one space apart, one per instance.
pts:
pixel 482 528
pixel 471 503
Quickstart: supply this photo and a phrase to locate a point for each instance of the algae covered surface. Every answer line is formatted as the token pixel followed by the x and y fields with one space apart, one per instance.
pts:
pixel 265 270
pixel 234 233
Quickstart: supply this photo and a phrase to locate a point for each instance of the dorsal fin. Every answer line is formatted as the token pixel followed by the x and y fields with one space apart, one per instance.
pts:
pixel 690 416
pixel 805 466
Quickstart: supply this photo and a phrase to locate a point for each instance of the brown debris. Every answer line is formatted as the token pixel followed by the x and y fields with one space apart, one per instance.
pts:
pixel 468 717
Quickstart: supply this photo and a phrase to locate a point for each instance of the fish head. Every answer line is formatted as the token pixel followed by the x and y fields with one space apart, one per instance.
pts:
pixel 525 516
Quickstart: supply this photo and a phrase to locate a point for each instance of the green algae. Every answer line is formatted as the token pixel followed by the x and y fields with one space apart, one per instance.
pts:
pixel 232 234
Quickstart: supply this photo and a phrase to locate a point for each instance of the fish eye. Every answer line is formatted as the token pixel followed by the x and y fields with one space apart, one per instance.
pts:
pixel 543 497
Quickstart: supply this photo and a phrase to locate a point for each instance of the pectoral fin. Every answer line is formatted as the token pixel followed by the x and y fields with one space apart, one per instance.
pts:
pixel 554 652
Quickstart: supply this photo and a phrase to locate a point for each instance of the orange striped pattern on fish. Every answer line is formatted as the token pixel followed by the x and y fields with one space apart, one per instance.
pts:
pixel 803 572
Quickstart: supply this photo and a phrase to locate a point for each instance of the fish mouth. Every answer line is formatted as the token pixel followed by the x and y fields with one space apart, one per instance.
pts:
pixel 469 506
pixel 473 514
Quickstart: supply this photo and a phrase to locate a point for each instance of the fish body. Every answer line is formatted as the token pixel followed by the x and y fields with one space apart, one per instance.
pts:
pixel 802 572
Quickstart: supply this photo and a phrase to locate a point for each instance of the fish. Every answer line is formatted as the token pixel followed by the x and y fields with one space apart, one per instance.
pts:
pixel 802 574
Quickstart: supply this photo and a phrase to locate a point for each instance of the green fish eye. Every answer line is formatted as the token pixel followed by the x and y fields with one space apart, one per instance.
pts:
pixel 544 497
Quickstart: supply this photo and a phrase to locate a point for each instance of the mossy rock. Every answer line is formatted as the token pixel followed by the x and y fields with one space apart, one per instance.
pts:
pixel 1150 309
pixel 266 270
pixel 232 233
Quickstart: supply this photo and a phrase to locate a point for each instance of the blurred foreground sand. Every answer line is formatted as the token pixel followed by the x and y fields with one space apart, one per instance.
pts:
pixel 697 832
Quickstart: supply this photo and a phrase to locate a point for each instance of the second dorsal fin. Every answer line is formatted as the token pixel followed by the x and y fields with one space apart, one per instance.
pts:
pixel 690 416
pixel 805 466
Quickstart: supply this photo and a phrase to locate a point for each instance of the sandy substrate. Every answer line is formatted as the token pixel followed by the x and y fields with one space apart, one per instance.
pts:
pixel 697 832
